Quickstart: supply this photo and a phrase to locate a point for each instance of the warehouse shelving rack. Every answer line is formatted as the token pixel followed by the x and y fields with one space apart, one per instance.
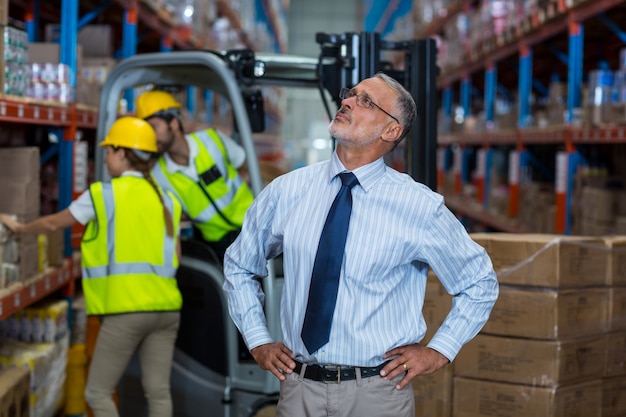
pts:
pixel 558 18
pixel 64 120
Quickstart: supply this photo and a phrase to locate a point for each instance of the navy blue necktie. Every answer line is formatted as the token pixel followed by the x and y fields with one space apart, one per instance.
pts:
pixel 327 267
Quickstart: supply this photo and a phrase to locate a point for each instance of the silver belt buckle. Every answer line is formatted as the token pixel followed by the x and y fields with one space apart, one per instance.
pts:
pixel 338 369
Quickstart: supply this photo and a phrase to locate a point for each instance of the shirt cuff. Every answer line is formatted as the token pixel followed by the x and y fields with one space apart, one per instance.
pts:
pixel 445 344
pixel 257 336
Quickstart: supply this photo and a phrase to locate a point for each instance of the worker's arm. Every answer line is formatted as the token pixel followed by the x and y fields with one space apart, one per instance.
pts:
pixel 45 224
pixel 236 153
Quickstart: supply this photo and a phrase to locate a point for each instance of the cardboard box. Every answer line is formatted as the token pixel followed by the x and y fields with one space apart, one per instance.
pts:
pixel 532 362
pixel 616 270
pixel 617 309
pixel 613 398
pixel 55 248
pixel 546 313
pixel 14 392
pixel 96 40
pixel 615 354
pixel 29 261
pixel 4 12
pixel 433 393
pixel 478 398
pixel 603 208
pixel 50 52
pixel 545 260
pixel 19 197
pixel 437 305
pixel 19 163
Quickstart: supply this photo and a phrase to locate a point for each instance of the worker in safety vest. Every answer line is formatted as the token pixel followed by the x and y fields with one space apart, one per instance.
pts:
pixel 130 253
pixel 201 169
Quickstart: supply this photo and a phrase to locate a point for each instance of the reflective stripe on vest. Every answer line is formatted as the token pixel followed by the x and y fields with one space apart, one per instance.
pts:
pixel 230 193
pixel 130 265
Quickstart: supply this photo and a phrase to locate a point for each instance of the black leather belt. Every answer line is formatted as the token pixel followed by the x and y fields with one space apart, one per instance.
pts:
pixel 334 374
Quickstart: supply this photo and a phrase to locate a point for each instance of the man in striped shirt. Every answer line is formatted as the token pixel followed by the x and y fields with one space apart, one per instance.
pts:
pixel 398 229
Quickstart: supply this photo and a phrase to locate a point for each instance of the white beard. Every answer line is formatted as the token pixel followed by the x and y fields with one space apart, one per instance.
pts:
pixel 350 137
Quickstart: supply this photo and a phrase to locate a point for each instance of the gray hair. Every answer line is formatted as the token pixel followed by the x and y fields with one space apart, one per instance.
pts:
pixel 404 102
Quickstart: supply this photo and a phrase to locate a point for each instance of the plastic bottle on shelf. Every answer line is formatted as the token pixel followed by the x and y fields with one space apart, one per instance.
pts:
pixel 601 83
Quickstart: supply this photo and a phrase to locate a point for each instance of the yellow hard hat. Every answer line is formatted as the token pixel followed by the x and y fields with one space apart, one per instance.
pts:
pixel 132 133
pixel 155 103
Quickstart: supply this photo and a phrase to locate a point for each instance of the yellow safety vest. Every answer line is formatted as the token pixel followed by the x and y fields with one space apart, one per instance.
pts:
pixel 129 263
pixel 218 202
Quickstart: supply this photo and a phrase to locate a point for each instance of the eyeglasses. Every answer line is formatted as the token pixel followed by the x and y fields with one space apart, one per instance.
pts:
pixel 362 101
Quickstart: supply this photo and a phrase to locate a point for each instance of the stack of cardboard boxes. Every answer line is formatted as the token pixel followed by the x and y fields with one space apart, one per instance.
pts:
pixel 555 343
pixel 19 188
pixel 614 381
pixel 433 393
pixel 14 393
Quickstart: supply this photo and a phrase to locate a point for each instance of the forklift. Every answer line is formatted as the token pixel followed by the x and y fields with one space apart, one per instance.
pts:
pixel 213 373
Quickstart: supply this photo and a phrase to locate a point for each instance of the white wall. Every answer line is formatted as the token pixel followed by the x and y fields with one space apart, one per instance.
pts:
pixel 305 118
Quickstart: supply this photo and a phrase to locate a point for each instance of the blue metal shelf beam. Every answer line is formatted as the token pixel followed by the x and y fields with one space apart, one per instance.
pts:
pixel 32 20
pixel 129 44
pixel 89 17
pixel 466 96
pixel 491 81
pixel 525 84
pixel 614 28
pixel 574 69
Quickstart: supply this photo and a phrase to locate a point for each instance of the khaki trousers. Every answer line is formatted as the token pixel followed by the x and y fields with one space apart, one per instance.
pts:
pixel 363 397
pixel 153 334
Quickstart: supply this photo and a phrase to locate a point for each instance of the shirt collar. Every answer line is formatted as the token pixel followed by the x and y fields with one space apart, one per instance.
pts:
pixel 366 174
pixel 132 173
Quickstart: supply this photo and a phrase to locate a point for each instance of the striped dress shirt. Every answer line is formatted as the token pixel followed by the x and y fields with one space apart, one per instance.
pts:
pixel 398 228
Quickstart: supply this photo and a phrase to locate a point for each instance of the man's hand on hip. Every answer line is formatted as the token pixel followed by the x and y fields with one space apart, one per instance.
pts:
pixel 414 360
pixel 274 357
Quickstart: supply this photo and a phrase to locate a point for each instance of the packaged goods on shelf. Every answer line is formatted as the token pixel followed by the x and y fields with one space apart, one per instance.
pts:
pixel 537 200
pixel 15 61
pixel 44 322
pixel 49 78
pixel 46 364
pixel 9 251
pixel 55 244
pixel 19 260
pixel 14 393
pixel 92 75
pixel 19 187
pixel 601 88
pixel 5 233
pixel 9 274
pixel 608 194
